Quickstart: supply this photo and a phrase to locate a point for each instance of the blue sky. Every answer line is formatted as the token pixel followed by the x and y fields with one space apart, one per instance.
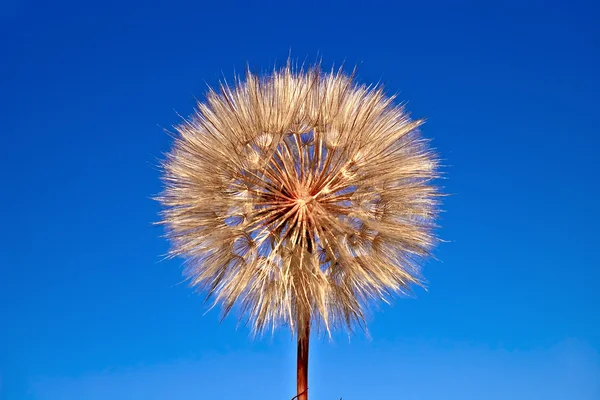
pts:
pixel 509 90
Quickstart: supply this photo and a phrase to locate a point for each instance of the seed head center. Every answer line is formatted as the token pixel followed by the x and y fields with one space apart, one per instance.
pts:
pixel 304 198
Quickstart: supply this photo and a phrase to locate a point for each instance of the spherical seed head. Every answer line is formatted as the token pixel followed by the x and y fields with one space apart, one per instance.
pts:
pixel 300 194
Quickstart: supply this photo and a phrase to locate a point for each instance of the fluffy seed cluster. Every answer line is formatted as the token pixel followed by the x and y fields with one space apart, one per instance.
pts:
pixel 300 194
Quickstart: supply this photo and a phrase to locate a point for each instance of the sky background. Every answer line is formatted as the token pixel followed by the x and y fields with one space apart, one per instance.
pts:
pixel 510 91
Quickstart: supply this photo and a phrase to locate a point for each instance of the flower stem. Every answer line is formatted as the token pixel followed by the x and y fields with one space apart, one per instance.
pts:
pixel 302 359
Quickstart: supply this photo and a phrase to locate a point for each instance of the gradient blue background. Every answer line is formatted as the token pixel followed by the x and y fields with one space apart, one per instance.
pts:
pixel 510 90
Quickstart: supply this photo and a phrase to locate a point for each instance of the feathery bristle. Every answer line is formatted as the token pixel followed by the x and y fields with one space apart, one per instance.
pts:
pixel 300 193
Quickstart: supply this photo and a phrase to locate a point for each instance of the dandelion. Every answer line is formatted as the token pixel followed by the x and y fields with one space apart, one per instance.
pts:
pixel 298 198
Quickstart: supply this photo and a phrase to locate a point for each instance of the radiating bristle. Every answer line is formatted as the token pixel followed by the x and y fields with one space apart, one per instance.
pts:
pixel 300 193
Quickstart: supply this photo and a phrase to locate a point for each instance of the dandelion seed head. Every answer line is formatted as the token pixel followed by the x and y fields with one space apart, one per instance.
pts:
pixel 300 193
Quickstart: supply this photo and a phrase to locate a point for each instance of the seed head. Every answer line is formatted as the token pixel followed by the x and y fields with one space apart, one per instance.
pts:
pixel 300 194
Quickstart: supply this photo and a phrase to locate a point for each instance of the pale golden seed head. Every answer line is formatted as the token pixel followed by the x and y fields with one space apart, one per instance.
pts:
pixel 300 193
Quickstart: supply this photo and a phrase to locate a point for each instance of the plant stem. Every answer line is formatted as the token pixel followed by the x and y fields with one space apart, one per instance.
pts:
pixel 302 359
